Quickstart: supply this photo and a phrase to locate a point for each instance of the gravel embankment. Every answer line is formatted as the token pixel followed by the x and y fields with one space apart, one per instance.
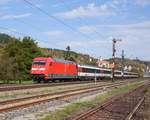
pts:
pixel 27 92
pixel 32 112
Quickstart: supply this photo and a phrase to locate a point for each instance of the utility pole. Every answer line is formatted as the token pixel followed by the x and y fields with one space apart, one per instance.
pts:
pixel 122 64
pixel 95 77
pixel 113 57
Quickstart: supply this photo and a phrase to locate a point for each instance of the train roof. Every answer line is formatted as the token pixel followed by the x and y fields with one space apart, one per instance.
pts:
pixel 55 60
pixel 130 72
pixel 63 61
pixel 93 67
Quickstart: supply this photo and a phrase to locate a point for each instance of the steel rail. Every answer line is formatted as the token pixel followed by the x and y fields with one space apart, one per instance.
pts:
pixel 104 104
pixel 57 93
pixel 21 87
pixel 52 99
pixel 135 109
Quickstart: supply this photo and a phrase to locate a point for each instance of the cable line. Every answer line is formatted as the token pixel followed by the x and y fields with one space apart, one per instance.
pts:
pixel 10 30
pixel 19 33
pixel 80 18
pixel 26 23
pixel 55 18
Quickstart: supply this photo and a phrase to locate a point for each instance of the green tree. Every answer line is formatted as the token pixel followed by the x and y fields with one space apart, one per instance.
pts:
pixel 72 59
pixel 67 56
pixel 31 50
pixel 8 70
pixel 23 52
pixel 140 73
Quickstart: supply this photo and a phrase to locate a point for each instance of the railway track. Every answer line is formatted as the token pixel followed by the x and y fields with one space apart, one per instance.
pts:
pixel 118 107
pixel 33 86
pixel 62 95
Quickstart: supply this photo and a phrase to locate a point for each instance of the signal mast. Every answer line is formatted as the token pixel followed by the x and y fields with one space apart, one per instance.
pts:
pixel 113 57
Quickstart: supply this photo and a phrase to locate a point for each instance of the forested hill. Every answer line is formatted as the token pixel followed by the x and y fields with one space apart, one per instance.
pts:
pixel 4 38
pixel 145 62
pixel 135 64
pixel 77 57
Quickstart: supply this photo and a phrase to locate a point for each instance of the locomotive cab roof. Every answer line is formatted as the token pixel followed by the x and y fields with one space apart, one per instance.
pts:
pixel 54 60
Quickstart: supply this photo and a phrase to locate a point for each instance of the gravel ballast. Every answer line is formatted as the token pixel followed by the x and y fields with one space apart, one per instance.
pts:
pixel 49 106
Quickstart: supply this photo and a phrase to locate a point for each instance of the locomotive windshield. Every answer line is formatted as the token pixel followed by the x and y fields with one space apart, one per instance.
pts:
pixel 39 62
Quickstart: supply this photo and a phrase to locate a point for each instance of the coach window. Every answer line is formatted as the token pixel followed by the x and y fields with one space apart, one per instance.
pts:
pixel 106 72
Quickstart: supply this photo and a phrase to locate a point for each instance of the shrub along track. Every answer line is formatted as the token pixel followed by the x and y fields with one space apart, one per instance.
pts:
pixel 118 107
pixel 5 87
pixel 71 93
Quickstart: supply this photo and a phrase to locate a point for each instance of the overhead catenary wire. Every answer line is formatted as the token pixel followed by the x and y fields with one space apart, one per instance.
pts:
pixel 19 33
pixel 85 22
pixel 14 31
pixel 68 7
pixel 57 19
pixel 30 25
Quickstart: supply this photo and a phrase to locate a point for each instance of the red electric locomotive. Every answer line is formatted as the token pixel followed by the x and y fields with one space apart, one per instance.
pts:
pixel 47 68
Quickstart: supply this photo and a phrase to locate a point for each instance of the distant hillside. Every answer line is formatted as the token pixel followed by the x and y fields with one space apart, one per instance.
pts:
pixel 4 39
pixel 135 64
pixel 79 57
pixel 144 62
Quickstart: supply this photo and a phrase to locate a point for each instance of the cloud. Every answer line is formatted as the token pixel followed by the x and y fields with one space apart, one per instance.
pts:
pixel 145 24
pixel 135 2
pixel 16 16
pixel 5 1
pixel 5 8
pixel 113 3
pixel 38 5
pixel 83 43
pixel 131 33
pixel 53 33
pixel 9 31
pixel 89 11
pixel 87 29
pixel 142 2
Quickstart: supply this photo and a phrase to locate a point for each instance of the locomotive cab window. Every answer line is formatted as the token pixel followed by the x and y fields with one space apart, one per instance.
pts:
pixel 39 63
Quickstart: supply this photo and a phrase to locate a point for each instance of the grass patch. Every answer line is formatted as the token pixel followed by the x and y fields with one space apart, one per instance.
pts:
pixel 17 82
pixel 70 109
pixel 145 90
pixel 15 95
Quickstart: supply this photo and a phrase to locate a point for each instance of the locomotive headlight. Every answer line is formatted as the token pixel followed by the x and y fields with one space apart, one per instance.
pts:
pixel 34 69
pixel 42 69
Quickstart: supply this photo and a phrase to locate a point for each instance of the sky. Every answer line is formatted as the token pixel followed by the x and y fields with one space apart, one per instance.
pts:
pixel 87 26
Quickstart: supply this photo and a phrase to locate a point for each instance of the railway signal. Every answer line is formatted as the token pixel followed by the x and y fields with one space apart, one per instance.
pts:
pixel 122 63
pixel 113 57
